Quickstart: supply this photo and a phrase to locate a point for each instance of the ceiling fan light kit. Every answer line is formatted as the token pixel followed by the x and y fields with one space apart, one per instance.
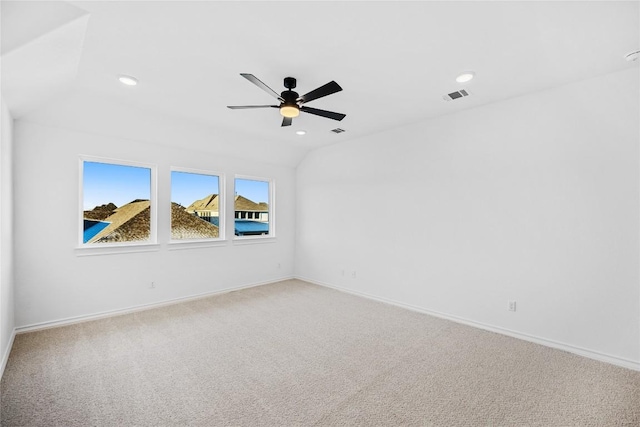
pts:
pixel 290 102
pixel 289 111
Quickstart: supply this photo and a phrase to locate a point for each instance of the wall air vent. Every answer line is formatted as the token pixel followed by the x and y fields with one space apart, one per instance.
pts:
pixel 338 130
pixel 455 95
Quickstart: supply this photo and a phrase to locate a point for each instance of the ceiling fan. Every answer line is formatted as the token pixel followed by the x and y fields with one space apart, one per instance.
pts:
pixel 290 102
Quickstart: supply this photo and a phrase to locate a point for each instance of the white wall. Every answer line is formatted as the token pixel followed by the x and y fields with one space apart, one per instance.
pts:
pixel 54 283
pixel 6 232
pixel 534 199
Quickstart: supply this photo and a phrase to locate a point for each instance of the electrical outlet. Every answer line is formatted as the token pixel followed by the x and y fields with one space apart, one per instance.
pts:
pixel 152 285
pixel 353 274
pixel 279 265
pixel 512 306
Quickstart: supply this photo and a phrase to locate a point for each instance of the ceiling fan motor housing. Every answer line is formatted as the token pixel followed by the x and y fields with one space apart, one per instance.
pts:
pixel 290 97
pixel 290 82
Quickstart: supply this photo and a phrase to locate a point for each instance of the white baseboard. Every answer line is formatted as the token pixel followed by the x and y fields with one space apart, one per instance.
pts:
pixel 5 356
pixel 136 308
pixel 602 357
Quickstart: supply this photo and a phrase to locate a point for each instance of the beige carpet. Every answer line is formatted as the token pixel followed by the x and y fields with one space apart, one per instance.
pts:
pixel 295 354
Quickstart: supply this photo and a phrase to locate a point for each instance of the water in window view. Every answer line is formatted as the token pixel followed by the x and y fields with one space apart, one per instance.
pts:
pixel 91 228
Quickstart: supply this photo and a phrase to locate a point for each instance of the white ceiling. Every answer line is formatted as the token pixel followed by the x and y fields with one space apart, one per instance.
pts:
pixel 394 60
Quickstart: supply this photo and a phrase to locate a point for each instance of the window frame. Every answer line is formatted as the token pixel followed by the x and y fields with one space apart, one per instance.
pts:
pixel 118 247
pixel 221 239
pixel 272 206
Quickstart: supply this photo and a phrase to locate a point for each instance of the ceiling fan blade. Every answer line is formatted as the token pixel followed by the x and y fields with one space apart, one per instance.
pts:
pixel 323 113
pixel 328 89
pixel 256 81
pixel 286 121
pixel 244 107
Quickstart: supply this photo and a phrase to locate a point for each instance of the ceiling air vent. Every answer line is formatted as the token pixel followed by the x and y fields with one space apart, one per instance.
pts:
pixel 338 130
pixel 455 95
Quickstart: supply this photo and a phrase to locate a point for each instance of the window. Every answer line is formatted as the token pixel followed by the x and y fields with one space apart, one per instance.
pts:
pixel 196 205
pixel 252 205
pixel 117 204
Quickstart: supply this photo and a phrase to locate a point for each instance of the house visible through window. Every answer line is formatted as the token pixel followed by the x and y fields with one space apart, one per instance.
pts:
pixel 195 205
pixel 251 204
pixel 116 203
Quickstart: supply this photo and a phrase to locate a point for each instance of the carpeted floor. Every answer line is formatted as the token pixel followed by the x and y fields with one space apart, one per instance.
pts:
pixel 295 354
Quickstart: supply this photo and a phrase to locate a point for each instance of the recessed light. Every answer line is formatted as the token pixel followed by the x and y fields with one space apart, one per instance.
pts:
pixel 127 80
pixel 301 132
pixel 465 77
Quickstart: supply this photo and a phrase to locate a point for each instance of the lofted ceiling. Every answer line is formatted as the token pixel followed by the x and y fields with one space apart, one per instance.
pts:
pixel 394 60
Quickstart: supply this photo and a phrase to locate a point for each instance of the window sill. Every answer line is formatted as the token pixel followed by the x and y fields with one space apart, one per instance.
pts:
pixel 253 240
pixel 116 249
pixel 176 245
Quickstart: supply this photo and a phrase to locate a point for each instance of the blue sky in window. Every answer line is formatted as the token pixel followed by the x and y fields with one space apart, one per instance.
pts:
pixel 119 184
pixel 187 187
pixel 256 191
pixel 108 183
